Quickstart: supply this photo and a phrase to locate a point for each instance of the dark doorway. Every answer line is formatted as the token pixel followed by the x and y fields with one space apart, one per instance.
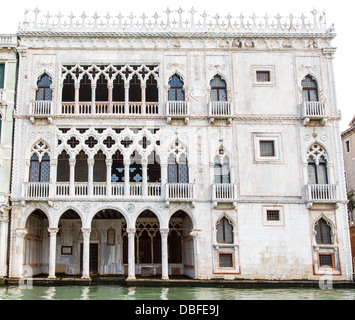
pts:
pixel 93 258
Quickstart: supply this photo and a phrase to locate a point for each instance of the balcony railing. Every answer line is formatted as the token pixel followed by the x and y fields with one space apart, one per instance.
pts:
pixel 177 110
pixel 220 110
pixel 322 193
pixel 314 110
pixel 36 190
pixel 41 109
pixel 224 192
pixel 42 190
pixel 105 107
pixel 180 192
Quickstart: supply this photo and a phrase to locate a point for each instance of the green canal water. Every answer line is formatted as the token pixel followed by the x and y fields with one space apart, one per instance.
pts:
pixel 118 292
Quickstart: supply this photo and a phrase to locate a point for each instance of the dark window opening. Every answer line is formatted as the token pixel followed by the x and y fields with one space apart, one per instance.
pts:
pixel 135 92
pixel 100 167
pixel 225 260
pixel 118 91
pixel 273 215
pixel 101 93
pixel 81 167
pixel 317 173
pixel 117 169
pixel 151 93
pixel 63 168
pixel 85 89
pixel 263 76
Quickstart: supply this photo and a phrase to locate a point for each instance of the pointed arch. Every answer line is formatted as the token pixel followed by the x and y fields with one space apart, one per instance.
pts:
pixel 44 91
pixel 310 88
pixel 176 91
pixel 323 229
pixel 218 88
pixel 225 230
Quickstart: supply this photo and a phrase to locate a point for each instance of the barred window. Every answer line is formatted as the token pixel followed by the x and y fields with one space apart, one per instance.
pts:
pixel 267 148
pixel 272 215
pixel 326 260
pixel 225 260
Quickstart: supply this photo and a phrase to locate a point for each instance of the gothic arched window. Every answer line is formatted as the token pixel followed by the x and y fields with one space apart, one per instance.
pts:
pixel 178 170
pixel 323 232
pixel 218 89
pixel 176 91
pixel 44 92
pixel 309 89
pixel 224 231
pixel 40 163
pixel 317 165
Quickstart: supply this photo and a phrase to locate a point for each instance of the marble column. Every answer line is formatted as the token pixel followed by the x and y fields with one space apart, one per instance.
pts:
pixel 86 253
pixel 72 177
pixel 93 98
pixel 52 251
pixel 18 253
pixel 164 254
pixel 126 177
pixel 131 263
pixel 108 176
pixel 195 234
pixel 144 177
pixel 4 225
pixel 91 163
pixel 76 98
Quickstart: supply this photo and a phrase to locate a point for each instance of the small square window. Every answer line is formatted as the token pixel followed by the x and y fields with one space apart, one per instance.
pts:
pixel 273 215
pixel 263 76
pixel 267 148
pixel 225 260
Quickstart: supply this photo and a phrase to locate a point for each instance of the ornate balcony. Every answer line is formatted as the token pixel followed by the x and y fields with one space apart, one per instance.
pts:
pixel 224 193
pixel 321 193
pixel 41 109
pixel 220 110
pixel 177 110
pixel 44 190
pixel 130 108
pixel 314 110
pixel 180 192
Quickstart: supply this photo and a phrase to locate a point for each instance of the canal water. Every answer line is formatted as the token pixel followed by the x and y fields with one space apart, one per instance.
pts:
pixel 118 292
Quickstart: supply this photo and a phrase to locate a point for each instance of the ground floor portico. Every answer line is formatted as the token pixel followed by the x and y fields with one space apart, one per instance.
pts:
pixel 99 239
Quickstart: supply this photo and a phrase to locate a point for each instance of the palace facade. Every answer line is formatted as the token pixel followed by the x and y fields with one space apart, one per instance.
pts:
pixel 177 145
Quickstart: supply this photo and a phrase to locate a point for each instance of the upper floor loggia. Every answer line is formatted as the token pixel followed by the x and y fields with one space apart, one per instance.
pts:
pixel 124 90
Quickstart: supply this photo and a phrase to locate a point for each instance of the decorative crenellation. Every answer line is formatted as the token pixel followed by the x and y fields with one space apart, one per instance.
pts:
pixel 174 21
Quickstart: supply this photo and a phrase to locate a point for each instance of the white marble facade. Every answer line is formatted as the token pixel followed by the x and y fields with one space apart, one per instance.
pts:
pixel 151 146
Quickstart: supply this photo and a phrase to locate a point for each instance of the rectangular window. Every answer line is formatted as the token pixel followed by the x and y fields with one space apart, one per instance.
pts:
pixel 326 260
pixel 2 75
pixel 272 215
pixel 225 260
pixel 267 148
pixel 263 76
pixel 347 146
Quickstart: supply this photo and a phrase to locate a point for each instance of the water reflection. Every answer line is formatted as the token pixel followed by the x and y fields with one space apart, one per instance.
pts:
pixel 113 292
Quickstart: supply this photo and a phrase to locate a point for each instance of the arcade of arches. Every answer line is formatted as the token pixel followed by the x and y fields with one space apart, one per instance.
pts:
pixel 108 247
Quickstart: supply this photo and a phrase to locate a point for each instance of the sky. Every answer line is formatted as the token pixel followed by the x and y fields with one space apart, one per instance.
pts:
pixel 338 13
